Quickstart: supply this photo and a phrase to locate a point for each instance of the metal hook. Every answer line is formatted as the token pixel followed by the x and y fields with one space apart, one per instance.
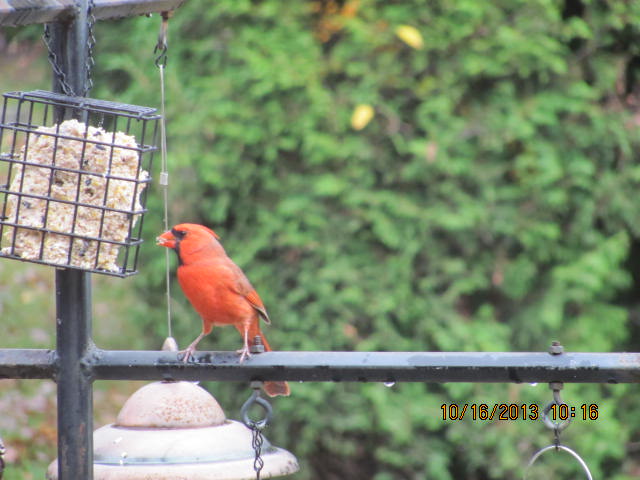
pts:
pixel 256 427
pixel 557 427
pixel 161 59
pixel 162 46
pixel 255 398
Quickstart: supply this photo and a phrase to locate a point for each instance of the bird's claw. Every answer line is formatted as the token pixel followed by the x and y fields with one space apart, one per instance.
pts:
pixel 186 355
pixel 244 353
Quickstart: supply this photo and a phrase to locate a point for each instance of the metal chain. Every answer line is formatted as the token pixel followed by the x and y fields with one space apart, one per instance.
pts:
pixel 256 426
pixel 55 64
pixel 256 443
pixel 55 61
pixel 91 43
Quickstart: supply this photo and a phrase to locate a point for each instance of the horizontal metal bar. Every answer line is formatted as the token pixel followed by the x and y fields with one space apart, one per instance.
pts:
pixel 438 367
pixel 376 367
pixel 27 363
pixel 45 97
pixel 25 12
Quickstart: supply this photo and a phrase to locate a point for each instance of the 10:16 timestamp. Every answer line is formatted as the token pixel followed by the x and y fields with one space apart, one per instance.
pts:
pixel 563 411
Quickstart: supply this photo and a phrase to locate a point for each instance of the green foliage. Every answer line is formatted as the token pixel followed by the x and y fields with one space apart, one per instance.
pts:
pixel 488 205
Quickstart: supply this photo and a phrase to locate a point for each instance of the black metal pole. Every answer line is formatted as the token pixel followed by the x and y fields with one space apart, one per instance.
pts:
pixel 75 388
pixel 73 292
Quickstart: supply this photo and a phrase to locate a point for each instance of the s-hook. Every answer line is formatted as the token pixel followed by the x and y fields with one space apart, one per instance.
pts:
pixel 161 47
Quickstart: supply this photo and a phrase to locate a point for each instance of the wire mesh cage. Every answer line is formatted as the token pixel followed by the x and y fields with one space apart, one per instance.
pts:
pixel 73 178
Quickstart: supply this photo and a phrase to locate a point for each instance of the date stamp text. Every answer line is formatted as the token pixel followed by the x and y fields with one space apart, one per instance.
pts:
pixel 516 411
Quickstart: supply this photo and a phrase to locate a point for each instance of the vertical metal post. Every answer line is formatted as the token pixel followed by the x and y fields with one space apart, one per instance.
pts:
pixel 73 294
pixel 75 388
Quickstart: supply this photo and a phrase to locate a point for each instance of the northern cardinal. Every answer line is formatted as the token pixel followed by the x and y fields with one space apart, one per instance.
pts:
pixel 218 290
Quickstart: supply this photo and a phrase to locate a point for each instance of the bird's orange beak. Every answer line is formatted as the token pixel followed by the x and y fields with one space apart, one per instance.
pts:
pixel 166 240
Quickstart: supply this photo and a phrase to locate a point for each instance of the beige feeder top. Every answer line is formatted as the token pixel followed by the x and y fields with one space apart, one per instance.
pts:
pixel 177 431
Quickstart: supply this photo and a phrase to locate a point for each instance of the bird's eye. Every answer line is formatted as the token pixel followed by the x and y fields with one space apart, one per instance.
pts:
pixel 179 234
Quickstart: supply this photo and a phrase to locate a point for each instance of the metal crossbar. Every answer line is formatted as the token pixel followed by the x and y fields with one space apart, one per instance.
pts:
pixel 24 12
pixel 487 367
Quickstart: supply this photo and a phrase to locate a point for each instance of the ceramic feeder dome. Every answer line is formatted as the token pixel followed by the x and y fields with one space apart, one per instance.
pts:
pixel 177 431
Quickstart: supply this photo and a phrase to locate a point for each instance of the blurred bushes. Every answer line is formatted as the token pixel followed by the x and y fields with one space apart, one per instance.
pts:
pixel 408 176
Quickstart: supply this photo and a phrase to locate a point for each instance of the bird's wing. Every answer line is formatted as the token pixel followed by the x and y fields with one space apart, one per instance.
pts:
pixel 244 288
pixel 256 302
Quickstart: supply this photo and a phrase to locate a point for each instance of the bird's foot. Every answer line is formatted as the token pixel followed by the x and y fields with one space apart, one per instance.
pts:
pixel 244 353
pixel 186 354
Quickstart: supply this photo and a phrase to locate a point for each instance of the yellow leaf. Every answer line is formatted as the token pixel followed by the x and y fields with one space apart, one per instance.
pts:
pixel 361 116
pixel 411 36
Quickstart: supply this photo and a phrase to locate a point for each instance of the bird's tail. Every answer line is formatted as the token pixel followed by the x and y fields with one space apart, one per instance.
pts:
pixel 273 389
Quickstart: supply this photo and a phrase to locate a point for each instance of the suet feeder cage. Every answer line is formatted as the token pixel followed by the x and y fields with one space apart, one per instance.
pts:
pixel 74 174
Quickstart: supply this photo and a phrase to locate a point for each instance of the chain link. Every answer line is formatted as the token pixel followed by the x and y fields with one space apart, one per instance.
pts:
pixel 256 426
pixel 91 43
pixel 55 61
pixel 55 64
pixel 256 443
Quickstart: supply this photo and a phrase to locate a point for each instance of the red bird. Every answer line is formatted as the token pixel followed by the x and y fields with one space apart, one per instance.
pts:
pixel 218 290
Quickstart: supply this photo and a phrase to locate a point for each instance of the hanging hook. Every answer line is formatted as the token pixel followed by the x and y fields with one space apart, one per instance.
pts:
pixel 254 399
pixel 554 425
pixel 557 427
pixel 162 46
pixel 256 427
